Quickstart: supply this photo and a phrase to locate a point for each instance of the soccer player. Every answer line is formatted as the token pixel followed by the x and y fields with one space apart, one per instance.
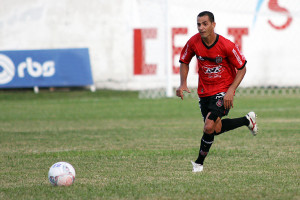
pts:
pixel 221 68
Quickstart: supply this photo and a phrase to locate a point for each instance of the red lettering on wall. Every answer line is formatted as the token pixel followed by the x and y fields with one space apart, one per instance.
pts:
pixel 273 5
pixel 176 50
pixel 238 33
pixel 139 37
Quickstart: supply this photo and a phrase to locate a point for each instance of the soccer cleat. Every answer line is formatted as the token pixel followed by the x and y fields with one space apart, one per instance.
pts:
pixel 251 116
pixel 197 167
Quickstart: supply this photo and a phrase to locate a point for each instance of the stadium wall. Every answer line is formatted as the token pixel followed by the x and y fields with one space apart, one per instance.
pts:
pixel 135 44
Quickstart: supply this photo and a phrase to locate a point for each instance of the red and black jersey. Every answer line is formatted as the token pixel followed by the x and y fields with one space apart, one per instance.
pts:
pixel 217 64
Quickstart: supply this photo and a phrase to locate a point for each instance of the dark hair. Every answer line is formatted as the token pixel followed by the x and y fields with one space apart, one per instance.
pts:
pixel 209 14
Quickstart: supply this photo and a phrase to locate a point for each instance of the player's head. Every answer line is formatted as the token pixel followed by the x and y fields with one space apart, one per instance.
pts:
pixel 206 23
pixel 209 14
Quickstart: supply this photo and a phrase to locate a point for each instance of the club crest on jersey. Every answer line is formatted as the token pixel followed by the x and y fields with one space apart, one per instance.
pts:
pixel 219 103
pixel 219 59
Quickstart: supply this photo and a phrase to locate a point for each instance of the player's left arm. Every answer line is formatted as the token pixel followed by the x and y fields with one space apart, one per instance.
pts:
pixel 238 60
pixel 228 98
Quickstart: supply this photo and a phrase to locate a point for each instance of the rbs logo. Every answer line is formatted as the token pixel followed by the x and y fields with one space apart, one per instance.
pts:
pixel 35 69
pixel 28 67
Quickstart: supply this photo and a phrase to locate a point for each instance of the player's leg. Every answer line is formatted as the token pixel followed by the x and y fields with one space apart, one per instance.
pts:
pixel 204 107
pixel 229 124
pixel 208 136
pixel 210 109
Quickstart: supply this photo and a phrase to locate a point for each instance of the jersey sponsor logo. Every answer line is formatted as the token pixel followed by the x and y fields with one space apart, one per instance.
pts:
pixel 200 58
pixel 237 57
pixel 213 71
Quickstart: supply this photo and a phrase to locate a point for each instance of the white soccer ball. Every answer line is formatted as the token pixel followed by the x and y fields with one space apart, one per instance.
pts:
pixel 61 174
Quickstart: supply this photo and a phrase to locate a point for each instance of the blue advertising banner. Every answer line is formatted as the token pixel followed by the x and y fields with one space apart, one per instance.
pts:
pixel 45 68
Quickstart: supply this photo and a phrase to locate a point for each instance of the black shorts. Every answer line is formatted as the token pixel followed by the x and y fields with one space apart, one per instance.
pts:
pixel 213 104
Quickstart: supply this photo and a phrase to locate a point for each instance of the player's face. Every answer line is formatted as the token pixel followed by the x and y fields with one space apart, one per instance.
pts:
pixel 205 26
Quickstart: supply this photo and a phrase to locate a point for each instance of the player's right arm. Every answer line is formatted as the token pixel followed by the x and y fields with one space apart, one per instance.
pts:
pixel 186 55
pixel 184 70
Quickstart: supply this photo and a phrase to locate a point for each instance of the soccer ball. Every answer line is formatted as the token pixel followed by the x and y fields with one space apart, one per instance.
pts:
pixel 61 174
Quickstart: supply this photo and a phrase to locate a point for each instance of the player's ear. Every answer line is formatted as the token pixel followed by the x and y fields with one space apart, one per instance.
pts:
pixel 214 24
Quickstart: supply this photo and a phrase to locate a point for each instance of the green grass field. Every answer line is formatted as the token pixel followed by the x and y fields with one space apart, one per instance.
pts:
pixel 123 147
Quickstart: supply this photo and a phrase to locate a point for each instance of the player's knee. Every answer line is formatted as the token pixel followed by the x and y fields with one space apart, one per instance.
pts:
pixel 209 128
pixel 210 123
pixel 218 128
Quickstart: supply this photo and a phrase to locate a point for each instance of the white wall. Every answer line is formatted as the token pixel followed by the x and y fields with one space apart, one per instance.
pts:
pixel 106 28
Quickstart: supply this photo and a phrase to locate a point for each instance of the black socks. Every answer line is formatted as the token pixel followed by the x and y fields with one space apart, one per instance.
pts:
pixel 230 124
pixel 206 142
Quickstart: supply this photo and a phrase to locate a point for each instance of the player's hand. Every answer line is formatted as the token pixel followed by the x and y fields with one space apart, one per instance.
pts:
pixel 180 89
pixel 228 99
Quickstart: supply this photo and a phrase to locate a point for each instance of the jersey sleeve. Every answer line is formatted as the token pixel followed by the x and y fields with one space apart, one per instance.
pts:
pixel 236 57
pixel 187 53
